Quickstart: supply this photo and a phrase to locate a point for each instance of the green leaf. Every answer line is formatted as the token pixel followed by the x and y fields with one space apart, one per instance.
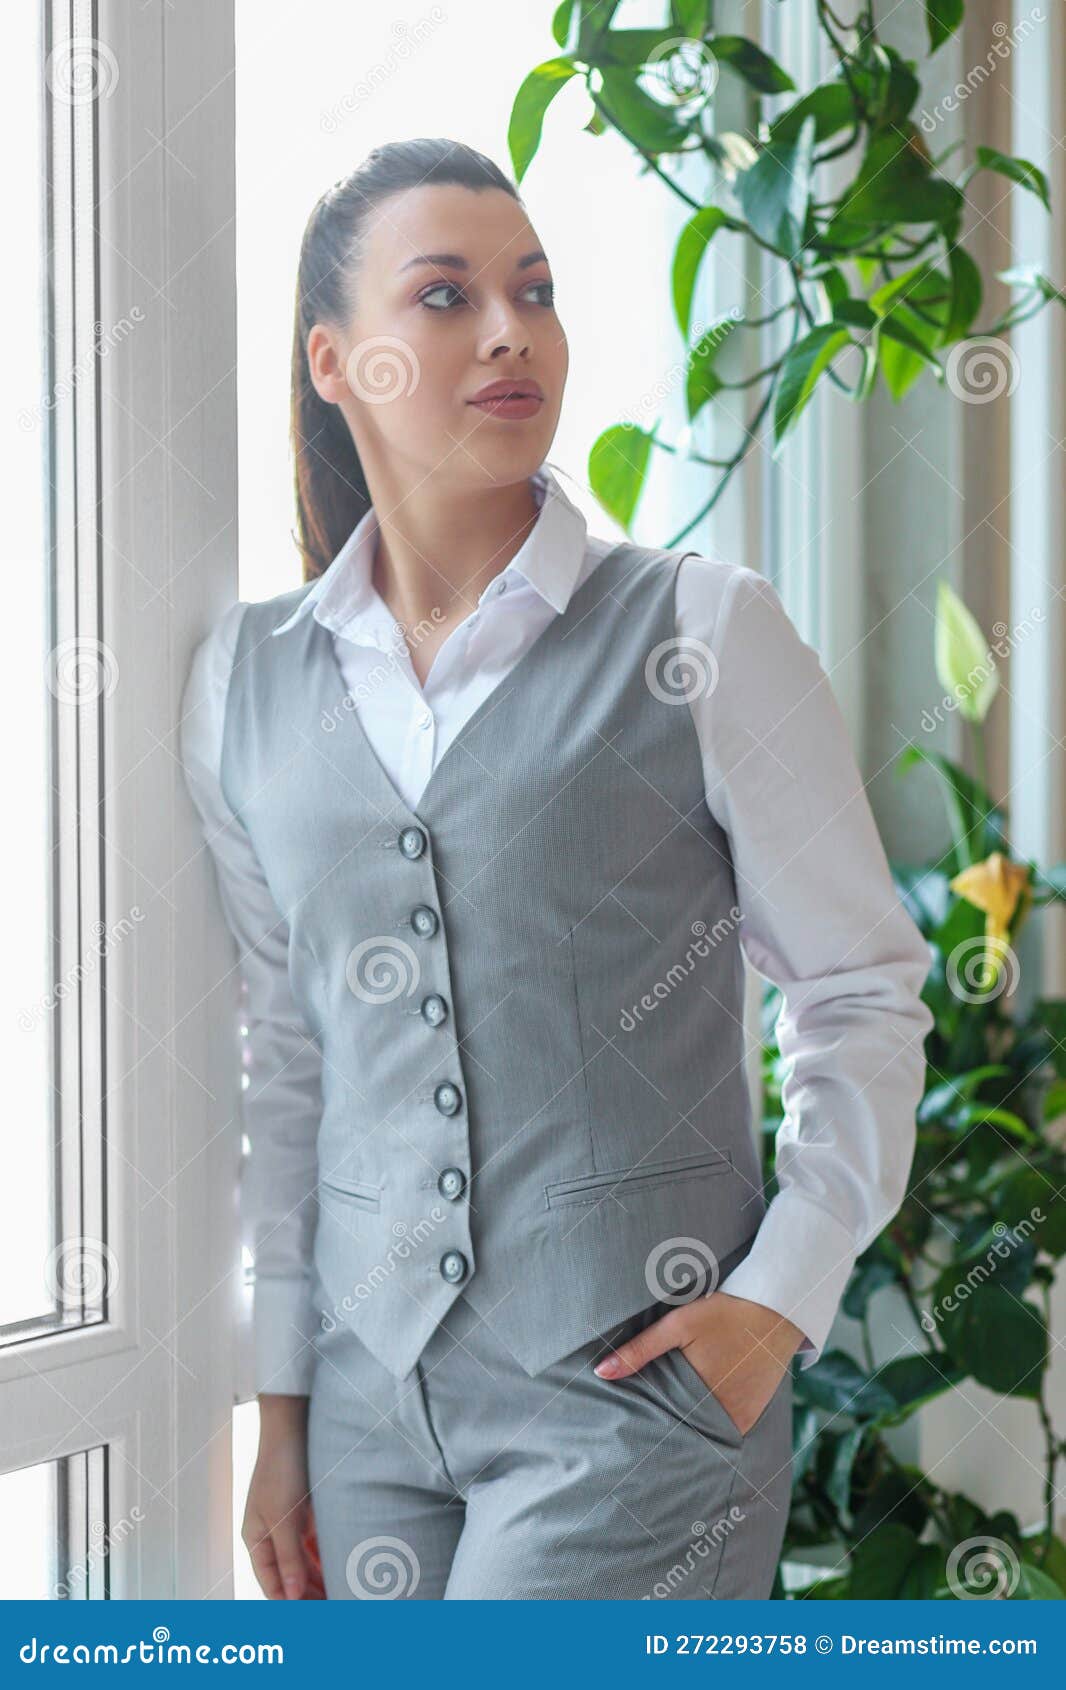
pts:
pixel 653 127
pixel 775 192
pixel 830 105
pixel 691 17
pixel 1028 1200
pixel 618 465
pixel 1017 170
pixel 838 1486
pixel 837 1382
pixel 527 114
pixel 1036 1585
pixel 561 20
pixel 1004 1257
pixel 965 666
pixel 1000 1339
pixel 914 1380
pixel 966 293
pixel 868 1277
pixel 987 1114
pixel 692 243
pixel 895 327
pixel 942 18
pixel 702 379
pixel 896 184
pixel 803 364
pixel 977 826
pixel 879 1564
pixel 941 1100
pixel 1032 280
pixel 630 47
pixel 756 68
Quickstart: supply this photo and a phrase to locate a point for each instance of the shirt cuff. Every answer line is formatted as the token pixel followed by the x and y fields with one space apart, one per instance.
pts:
pixel 799 1265
pixel 284 1322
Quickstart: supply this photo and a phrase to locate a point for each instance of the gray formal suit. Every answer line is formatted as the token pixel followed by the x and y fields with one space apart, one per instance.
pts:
pixel 514 1169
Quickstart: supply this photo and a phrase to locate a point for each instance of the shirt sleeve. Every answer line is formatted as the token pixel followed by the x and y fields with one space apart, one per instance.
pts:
pixel 822 919
pixel 281 1099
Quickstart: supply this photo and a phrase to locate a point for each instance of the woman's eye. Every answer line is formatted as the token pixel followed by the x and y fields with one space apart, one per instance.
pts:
pixel 546 290
pixel 440 287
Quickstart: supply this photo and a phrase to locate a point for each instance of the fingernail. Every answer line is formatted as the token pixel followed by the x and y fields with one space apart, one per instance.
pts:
pixel 609 1368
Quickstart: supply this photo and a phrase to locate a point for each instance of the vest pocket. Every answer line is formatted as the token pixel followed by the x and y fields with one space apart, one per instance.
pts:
pixel 357 1191
pixel 590 1188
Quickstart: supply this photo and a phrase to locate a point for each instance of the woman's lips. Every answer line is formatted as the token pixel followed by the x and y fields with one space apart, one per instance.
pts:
pixel 514 405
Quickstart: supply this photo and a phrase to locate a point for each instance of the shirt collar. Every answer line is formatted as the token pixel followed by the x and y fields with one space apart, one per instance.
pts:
pixel 343 598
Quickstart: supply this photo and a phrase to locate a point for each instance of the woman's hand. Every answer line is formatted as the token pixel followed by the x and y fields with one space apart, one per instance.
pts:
pixel 740 1350
pixel 278 1509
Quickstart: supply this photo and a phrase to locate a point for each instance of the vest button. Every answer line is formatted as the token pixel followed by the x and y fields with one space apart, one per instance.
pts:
pixel 412 842
pixel 434 1009
pixel 452 1183
pixel 453 1266
pixel 424 920
pixel 448 1098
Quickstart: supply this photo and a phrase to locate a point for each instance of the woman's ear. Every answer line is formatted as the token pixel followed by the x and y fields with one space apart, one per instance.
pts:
pixel 326 363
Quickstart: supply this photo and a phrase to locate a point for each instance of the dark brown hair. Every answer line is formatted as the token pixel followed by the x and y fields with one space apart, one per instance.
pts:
pixel 331 490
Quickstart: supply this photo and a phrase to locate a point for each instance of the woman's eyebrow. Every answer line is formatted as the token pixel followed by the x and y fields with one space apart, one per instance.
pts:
pixel 456 262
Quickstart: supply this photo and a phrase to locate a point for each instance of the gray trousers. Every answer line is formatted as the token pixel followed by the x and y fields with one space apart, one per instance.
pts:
pixel 467 1479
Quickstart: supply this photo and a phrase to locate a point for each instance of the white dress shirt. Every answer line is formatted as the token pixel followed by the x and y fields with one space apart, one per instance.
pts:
pixel 820 914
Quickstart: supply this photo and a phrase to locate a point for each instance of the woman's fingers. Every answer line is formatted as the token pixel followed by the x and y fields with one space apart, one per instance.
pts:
pixel 277 1558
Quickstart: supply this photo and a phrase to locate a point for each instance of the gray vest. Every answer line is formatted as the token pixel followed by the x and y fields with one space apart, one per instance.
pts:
pixel 528 995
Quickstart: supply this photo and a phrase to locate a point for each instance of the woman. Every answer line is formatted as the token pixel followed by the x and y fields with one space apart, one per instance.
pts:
pixel 497 808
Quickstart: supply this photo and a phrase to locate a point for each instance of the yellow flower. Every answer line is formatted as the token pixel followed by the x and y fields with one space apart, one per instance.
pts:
pixel 996 886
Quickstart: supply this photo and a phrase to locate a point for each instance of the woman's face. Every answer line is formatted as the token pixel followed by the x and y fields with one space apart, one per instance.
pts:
pixel 452 293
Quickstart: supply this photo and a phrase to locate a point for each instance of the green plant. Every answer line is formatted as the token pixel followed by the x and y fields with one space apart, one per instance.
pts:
pixel 860 229
pixel 973 1252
